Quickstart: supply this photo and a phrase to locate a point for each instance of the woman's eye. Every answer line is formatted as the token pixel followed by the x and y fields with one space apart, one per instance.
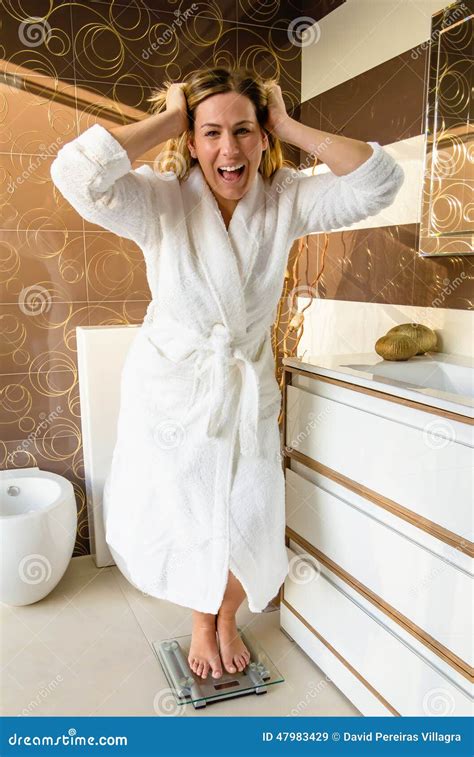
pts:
pixel 213 131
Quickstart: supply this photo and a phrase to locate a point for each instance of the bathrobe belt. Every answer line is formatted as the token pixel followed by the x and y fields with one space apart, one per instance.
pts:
pixel 216 354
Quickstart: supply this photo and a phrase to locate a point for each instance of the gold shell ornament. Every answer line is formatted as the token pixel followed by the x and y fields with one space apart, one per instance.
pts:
pixel 397 346
pixel 425 338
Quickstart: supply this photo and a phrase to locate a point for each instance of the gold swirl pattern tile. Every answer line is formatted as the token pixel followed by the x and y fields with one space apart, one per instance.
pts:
pixel 447 222
pixel 54 258
pixel 115 270
pixel 369 265
pixel 37 37
pixel 386 104
pixel 46 404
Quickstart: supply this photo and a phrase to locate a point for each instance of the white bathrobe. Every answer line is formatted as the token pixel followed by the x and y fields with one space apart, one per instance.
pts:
pixel 196 486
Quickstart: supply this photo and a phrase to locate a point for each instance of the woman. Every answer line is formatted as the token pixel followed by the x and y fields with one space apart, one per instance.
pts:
pixel 194 500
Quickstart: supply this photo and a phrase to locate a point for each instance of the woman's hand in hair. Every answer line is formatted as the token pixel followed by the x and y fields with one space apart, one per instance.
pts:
pixel 277 115
pixel 176 102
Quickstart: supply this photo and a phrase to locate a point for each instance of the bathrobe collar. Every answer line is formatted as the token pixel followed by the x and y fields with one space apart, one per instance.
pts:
pixel 227 255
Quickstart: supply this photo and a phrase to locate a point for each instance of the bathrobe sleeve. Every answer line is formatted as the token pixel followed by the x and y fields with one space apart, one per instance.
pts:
pixel 94 174
pixel 324 202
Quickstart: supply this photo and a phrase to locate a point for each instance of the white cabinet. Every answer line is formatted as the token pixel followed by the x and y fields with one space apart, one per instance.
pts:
pixel 379 515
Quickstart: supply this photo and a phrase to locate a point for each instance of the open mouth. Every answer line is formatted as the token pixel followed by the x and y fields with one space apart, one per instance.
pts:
pixel 230 177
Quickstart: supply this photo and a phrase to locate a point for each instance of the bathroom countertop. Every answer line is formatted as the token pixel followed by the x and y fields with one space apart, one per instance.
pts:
pixel 442 380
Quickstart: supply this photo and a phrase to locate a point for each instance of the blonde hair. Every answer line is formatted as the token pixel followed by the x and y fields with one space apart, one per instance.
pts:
pixel 200 85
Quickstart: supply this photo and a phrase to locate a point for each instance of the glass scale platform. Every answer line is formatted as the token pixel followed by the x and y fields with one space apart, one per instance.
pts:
pixel 188 687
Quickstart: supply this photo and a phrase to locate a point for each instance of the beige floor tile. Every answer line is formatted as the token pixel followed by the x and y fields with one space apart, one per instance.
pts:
pixel 86 650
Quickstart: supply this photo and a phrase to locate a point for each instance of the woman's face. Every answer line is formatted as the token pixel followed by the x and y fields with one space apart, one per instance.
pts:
pixel 226 134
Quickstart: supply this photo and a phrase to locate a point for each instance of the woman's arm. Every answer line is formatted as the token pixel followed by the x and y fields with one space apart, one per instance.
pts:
pixel 341 154
pixel 94 174
pixel 363 178
pixel 141 136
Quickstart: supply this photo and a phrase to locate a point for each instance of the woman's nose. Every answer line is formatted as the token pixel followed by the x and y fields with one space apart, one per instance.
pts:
pixel 229 145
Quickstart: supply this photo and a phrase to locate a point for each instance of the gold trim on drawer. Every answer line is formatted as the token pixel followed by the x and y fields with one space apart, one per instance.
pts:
pixel 384 396
pixel 339 656
pixel 461 666
pixel 429 526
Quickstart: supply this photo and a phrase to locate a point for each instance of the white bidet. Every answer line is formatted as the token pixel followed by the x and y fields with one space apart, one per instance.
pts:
pixel 38 524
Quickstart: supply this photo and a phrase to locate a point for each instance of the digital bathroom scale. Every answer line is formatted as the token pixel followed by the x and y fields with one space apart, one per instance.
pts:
pixel 189 687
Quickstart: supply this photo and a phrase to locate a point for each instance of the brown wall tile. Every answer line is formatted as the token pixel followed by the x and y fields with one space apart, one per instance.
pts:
pixel 384 104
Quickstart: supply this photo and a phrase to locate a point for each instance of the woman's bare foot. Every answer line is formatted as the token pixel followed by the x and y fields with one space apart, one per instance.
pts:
pixel 203 652
pixel 234 653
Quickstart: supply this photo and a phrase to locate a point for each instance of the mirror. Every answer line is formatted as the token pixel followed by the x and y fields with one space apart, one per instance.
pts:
pixel 447 211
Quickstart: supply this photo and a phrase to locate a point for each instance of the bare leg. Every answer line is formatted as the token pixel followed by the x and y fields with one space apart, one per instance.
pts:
pixel 234 653
pixel 203 653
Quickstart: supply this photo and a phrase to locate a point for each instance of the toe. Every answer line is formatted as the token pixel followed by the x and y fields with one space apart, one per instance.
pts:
pixel 216 671
pixel 205 670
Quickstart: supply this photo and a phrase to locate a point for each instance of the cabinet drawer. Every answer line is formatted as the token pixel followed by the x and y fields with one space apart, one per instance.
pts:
pixel 392 450
pixel 429 591
pixel 407 681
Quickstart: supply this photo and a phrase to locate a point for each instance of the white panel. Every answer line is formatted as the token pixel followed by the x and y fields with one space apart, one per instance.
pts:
pixel 400 675
pixel 435 428
pixel 359 35
pixel 400 525
pixel 392 626
pixel 356 691
pixel 101 352
pixel 334 327
pixel 392 458
pixel 442 606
